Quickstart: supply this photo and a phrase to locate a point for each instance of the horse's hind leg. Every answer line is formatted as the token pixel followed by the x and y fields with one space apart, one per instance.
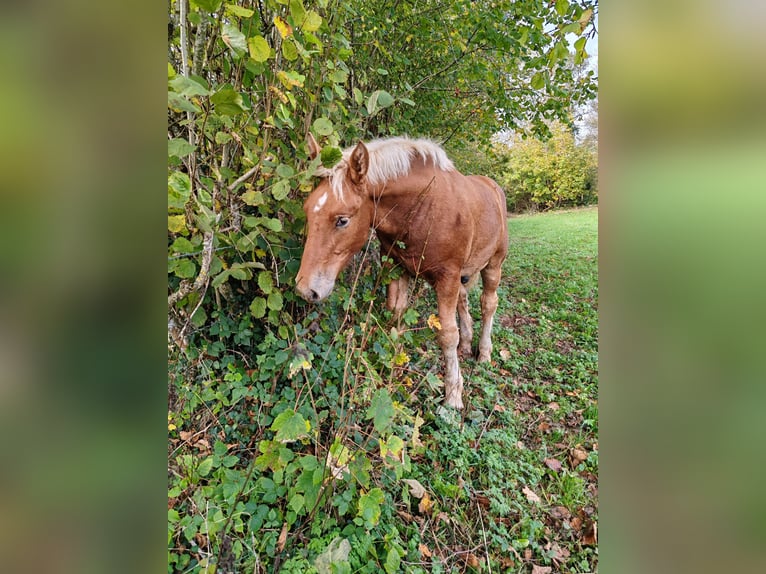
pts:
pixel 466 323
pixel 490 278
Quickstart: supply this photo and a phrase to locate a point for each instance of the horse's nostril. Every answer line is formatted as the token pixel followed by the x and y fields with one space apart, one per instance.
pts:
pixel 314 296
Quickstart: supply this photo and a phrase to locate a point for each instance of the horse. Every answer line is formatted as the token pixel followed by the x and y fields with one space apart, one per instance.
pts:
pixel 432 220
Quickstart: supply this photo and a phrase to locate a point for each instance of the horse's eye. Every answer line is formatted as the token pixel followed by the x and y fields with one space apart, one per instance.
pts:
pixel 341 222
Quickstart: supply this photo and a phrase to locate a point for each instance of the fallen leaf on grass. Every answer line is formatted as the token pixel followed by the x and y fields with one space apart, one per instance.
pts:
pixel 576 523
pixel 560 512
pixel 499 408
pixel 553 464
pixel 554 406
pixel 505 354
pixel 472 561
pixel 424 550
pixel 531 496
pixel 416 489
pixel 576 456
pixel 540 569
pixel 425 504
pixel 506 562
pixel 483 501
pixel 590 536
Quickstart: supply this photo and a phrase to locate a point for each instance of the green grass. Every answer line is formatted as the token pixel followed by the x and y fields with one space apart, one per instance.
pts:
pixel 258 422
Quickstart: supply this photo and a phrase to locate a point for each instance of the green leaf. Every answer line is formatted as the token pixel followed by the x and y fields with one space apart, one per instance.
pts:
pixel 258 307
pixel 205 466
pixel 281 189
pixel 296 503
pixel 187 87
pixel 284 170
pixel 234 39
pixel 330 156
pixel 561 7
pixel 179 147
pixel 312 22
pixel 377 100
pixel 297 11
pixel 272 223
pixel 393 561
pixel 260 51
pixel 323 126
pixel 289 51
pixel 538 81
pixel 275 301
pixel 369 507
pixel 182 245
pixel 290 426
pixel 265 282
pixel 235 10
pixel 185 269
pixel 381 410
pixel 339 76
pixel 171 71
pixel 335 554
pixel 207 5
pixel 178 103
pixel 228 101
pixel 179 189
pixel 253 198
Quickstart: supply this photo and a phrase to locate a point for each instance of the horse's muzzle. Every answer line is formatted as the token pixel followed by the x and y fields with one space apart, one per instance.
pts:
pixel 314 289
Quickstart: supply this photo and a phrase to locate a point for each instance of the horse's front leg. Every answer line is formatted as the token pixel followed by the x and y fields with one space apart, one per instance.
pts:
pixel 447 294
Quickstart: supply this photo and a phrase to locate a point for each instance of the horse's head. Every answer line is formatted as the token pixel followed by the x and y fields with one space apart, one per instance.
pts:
pixel 338 218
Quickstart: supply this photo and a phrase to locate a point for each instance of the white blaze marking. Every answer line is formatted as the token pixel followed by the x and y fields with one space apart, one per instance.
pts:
pixel 321 202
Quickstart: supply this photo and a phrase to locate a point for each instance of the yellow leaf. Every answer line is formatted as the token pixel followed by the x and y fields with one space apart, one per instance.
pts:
pixel 434 323
pixel 284 28
pixel 177 223
pixel 425 504
pixel 401 359
pixel 172 427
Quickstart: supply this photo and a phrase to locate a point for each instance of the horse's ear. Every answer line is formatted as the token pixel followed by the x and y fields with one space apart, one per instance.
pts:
pixel 314 148
pixel 358 163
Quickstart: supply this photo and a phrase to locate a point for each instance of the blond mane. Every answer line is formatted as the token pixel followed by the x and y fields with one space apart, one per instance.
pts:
pixel 390 158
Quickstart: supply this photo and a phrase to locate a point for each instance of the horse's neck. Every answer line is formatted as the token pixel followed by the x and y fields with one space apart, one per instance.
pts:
pixel 397 203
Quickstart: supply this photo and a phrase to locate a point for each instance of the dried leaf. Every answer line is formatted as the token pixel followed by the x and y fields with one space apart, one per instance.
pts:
pixel 424 550
pixel 553 464
pixel 590 536
pixel 540 569
pixel 560 512
pixel 531 496
pixel 185 435
pixel 505 354
pixel 483 501
pixel 282 538
pixel 499 408
pixel 416 489
pixel 576 523
pixel 471 560
pixel 554 406
pixel 425 504
pixel 434 323
pixel 576 456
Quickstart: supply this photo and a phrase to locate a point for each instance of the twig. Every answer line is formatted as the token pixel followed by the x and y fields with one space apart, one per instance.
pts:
pixel 204 274
pixel 484 535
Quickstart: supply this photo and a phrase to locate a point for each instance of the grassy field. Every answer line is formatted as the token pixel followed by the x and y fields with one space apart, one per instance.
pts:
pixel 330 451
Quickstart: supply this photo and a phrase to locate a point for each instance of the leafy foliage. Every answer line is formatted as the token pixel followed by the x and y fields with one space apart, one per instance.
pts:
pixel 293 428
pixel 548 174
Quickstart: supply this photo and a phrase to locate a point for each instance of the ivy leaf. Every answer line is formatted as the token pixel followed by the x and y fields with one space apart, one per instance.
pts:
pixel 381 410
pixel 290 426
pixel 260 51
pixel 323 126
